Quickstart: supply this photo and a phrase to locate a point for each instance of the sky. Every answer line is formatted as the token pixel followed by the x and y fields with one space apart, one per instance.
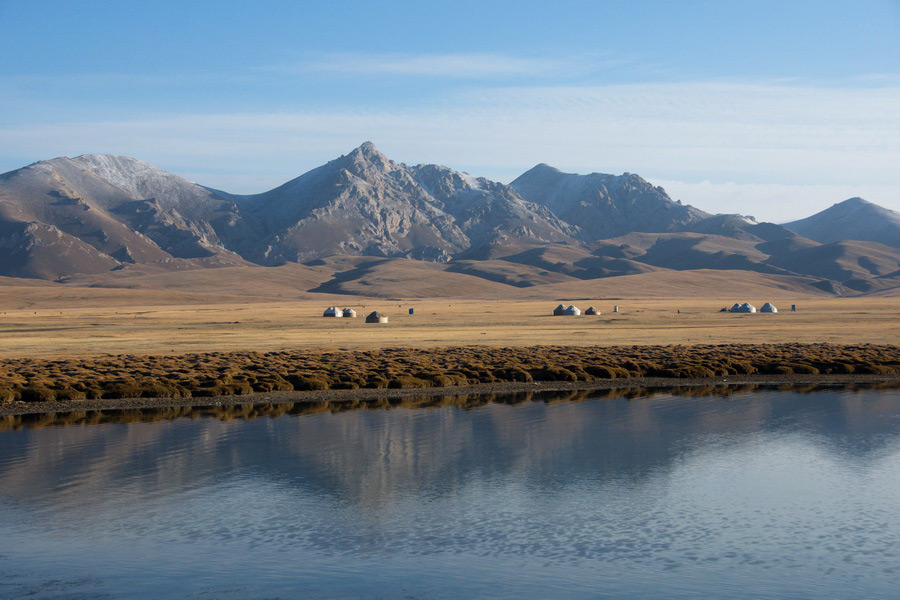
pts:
pixel 772 109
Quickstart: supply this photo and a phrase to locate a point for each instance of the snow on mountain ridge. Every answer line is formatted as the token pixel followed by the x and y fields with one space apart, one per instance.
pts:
pixel 137 177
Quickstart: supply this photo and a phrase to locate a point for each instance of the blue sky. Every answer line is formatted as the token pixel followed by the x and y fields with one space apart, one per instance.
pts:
pixel 775 109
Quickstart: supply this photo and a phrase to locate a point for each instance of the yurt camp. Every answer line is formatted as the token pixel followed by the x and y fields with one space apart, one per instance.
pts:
pixel 746 307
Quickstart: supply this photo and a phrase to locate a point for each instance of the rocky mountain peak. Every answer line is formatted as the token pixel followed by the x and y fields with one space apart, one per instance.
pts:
pixel 365 161
pixel 367 148
pixel 603 205
pixel 543 168
pixel 97 212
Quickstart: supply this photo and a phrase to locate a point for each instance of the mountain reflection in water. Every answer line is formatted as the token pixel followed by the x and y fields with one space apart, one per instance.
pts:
pixel 765 493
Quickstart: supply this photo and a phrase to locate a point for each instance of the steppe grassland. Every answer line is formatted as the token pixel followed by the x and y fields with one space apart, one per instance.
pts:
pixel 39 325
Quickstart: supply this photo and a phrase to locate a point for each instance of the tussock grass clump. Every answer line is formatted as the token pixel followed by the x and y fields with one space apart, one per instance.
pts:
pixel 403 382
pixel 309 382
pixel 38 393
pixel 449 379
pixel 69 393
pixel 550 373
pixel 512 374
pixel 123 389
pixel 602 371
pixel 240 373
pixel 878 369
pixel 376 382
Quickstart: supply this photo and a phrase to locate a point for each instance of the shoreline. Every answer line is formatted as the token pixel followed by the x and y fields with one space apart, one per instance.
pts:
pixel 340 397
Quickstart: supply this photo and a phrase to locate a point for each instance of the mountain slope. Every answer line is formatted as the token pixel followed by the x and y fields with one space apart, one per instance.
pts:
pixel 354 222
pixel 605 206
pixel 120 209
pixel 853 219
pixel 364 203
pixel 864 266
pixel 35 249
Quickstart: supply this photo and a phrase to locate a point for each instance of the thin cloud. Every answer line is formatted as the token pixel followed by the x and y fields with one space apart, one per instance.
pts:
pixel 758 199
pixel 458 66
pixel 836 138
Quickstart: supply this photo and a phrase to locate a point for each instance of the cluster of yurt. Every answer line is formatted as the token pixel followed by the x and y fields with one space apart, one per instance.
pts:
pixel 349 313
pixel 746 307
pixel 334 311
pixel 573 310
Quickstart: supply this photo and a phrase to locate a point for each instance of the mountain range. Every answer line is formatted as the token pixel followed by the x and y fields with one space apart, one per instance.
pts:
pixel 101 219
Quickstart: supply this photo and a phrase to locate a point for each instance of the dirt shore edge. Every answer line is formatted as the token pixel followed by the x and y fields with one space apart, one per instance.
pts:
pixel 350 395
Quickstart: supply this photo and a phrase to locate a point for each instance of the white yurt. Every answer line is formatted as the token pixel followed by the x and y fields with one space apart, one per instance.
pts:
pixel 559 310
pixel 376 317
pixel 592 311
pixel 332 311
pixel 349 312
pixel 768 307
pixel 572 310
pixel 735 308
pixel 746 307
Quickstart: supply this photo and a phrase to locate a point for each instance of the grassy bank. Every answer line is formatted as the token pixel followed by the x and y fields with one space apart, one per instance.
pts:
pixel 240 373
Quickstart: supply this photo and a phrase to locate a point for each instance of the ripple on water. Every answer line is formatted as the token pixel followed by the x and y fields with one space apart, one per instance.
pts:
pixel 767 495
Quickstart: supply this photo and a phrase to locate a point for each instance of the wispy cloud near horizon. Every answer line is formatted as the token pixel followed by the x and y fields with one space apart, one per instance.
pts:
pixel 453 65
pixel 720 141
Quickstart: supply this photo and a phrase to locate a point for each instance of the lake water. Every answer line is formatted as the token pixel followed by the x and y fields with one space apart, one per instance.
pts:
pixel 765 494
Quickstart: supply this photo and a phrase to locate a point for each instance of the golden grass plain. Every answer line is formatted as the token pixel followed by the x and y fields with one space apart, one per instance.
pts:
pixel 59 321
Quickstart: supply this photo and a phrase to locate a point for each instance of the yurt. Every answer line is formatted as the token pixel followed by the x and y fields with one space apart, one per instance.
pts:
pixel 746 307
pixel 559 310
pixel 572 310
pixel 735 308
pixel 768 307
pixel 376 317
pixel 349 312
pixel 332 311
pixel 592 311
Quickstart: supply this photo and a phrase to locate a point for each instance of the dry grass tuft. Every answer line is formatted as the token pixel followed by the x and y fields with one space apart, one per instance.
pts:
pixel 241 373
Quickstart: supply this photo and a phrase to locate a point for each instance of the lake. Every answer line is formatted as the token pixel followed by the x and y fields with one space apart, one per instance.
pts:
pixel 743 494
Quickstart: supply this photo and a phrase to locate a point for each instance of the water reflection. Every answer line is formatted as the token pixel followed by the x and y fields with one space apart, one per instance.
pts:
pixel 741 493
pixel 227 412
